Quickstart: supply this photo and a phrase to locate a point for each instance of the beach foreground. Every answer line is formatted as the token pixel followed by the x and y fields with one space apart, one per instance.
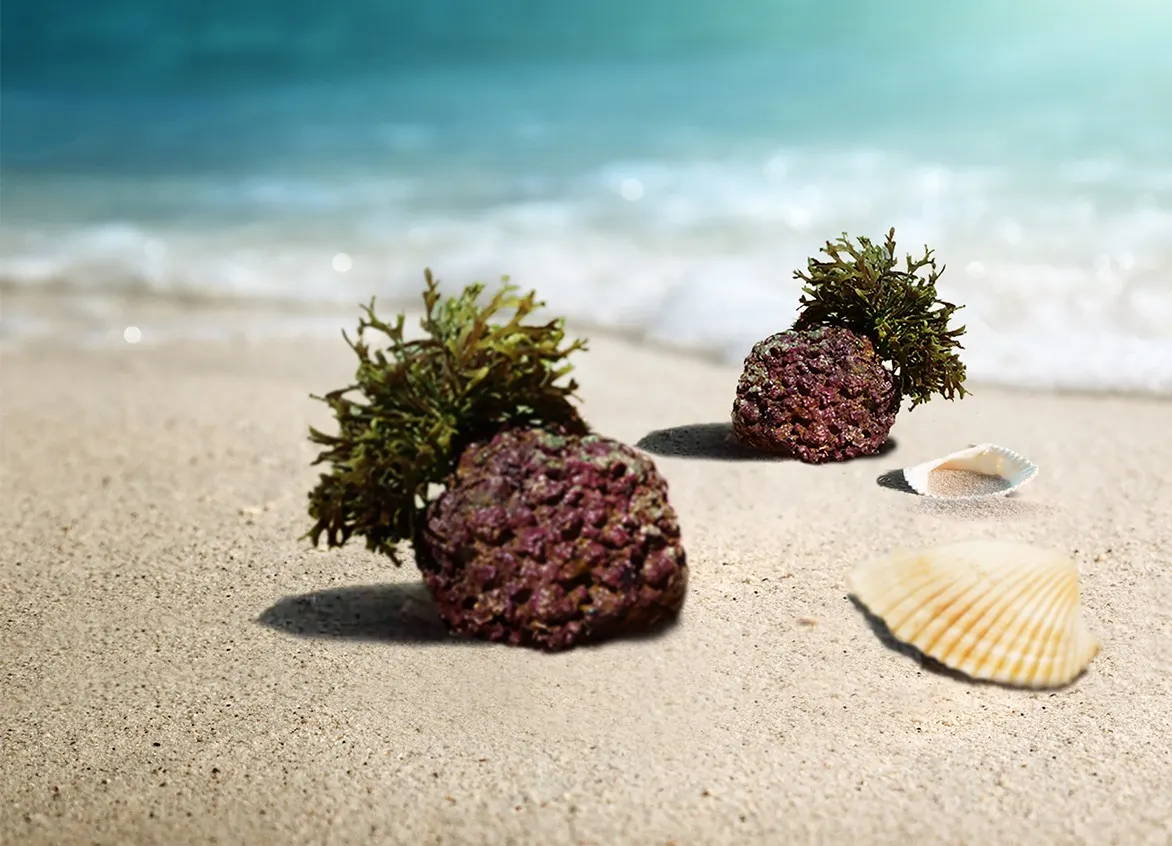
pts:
pixel 180 666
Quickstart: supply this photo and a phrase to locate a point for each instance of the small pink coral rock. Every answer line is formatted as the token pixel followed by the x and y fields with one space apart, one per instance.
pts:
pixel 816 394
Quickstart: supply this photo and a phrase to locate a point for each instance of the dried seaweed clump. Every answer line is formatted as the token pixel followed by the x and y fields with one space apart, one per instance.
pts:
pixel 416 404
pixel 464 442
pixel 550 540
pixel 868 335
pixel 861 288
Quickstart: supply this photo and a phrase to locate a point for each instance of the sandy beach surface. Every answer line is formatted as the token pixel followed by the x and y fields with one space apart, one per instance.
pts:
pixel 180 666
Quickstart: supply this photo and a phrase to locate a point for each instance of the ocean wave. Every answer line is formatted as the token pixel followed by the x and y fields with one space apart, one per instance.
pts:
pixel 1065 270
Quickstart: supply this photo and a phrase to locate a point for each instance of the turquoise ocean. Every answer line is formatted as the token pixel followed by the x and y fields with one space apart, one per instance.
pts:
pixel 659 168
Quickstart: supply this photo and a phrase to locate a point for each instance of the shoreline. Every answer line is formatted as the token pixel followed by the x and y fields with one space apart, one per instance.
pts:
pixel 222 319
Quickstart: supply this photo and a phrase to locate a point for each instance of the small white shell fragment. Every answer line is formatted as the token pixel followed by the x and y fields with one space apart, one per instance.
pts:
pixel 979 472
pixel 996 610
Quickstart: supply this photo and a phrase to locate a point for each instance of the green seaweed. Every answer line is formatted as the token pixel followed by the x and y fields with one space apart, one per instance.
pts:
pixel 417 403
pixel 862 289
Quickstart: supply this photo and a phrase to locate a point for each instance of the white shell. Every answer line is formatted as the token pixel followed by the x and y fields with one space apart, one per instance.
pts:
pixel 996 610
pixel 986 459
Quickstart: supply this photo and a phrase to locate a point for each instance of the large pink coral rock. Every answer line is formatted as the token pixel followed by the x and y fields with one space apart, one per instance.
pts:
pixel 549 540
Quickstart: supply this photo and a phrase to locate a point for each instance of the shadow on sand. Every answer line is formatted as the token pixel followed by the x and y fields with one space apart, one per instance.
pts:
pixel 701 440
pixel 715 441
pixel 895 480
pixel 931 664
pixel 889 640
pixel 399 613
pixel 403 613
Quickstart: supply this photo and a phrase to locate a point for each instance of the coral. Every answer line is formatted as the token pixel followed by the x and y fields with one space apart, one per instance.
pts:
pixel 549 539
pixel 819 395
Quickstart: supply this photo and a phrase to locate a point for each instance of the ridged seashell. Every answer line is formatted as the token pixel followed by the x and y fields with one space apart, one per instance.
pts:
pixel 980 471
pixel 996 610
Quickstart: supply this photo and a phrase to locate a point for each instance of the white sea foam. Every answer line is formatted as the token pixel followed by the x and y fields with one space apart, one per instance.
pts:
pixel 1066 271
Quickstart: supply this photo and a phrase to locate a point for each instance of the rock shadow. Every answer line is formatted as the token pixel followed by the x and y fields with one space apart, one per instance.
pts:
pixel 716 441
pixel 702 440
pixel 404 613
pixel 398 613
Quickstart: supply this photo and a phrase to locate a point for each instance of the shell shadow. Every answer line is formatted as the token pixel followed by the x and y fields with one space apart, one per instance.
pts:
pixel 895 480
pixel 889 640
pixel 716 441
pixel 403 613
pixel 930 664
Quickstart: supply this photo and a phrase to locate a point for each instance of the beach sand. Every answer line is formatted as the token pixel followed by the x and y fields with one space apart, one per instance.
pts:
pixel 180 666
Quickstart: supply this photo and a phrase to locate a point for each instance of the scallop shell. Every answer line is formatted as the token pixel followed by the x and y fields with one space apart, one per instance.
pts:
pixel 985 459
pixel 996 610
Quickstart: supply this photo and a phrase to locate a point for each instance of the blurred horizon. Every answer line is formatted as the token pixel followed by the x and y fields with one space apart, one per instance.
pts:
pixel 654 168
pixel 147 45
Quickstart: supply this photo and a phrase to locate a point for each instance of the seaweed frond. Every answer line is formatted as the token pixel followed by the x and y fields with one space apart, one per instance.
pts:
pixel 862 288
pixel 416 404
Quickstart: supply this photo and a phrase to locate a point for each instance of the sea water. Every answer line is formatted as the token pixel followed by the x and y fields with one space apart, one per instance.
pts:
pixel 657 168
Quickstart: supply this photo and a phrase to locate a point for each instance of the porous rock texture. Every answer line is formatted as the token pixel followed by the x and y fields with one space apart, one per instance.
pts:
pixel 816 394
pixel 549 540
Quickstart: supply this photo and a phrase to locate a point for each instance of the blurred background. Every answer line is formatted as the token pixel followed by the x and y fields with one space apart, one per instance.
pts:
pixel 657 167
